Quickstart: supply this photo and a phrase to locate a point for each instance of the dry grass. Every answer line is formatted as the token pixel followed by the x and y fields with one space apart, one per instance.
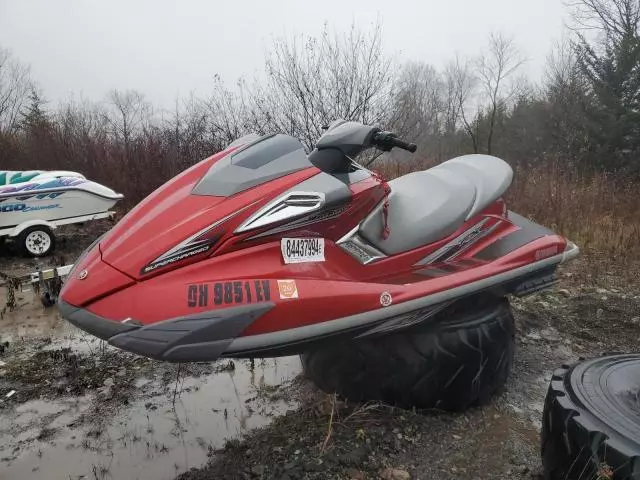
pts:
pixel 595 211
pixel 598 212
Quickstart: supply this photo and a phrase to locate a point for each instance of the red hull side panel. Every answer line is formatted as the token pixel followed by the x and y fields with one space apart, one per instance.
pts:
pixel 159 201
pixel 324 290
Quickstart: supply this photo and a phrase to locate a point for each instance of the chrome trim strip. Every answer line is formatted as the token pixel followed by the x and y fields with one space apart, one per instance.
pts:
pixel 359 248
pixel 480 236
pixel 570 252
pixel 465 240
pixel 347 236
pixel 310 219
pixel 287 206
pixel 405 321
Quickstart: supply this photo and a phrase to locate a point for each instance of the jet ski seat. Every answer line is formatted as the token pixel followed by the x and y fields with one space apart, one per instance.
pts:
pixel 432 204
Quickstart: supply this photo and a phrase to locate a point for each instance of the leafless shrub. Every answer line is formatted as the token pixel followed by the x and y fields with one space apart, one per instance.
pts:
pixel 15 85
pixel 313 81
pixel 495 68
pixel 461 83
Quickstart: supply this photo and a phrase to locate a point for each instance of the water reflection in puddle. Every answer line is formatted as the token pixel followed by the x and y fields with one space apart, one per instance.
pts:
pixel 154 437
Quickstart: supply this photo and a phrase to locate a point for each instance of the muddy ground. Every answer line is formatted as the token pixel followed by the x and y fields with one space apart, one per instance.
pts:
pixel 84 410
pixel 585 316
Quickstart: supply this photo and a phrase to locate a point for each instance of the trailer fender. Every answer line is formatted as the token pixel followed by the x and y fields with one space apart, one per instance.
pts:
pixel 31 223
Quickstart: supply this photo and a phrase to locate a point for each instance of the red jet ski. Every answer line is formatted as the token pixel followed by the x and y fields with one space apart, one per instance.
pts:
pixel 262 250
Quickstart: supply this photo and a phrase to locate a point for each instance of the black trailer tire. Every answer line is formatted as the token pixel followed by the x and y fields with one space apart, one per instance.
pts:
pixel 36 241
pixel 457 360
pixel 591 423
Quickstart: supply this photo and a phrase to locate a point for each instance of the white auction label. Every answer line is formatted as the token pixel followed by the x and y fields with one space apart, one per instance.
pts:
pixel 302 250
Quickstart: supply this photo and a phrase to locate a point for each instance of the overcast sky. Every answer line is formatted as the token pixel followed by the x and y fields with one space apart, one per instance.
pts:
pixel 166 48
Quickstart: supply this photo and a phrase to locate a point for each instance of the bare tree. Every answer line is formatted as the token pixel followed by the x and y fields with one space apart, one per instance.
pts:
pixel 494 68
pixel 227 116
pixel 565 94
pixel 561 64
pixel 15 87
pixel 131 114
pixel 419 102
pixel 461 85
pixel 312 81
pixel 82 119
pixel 614 18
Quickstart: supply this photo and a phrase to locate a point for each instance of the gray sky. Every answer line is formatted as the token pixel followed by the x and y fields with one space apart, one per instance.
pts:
pixel 164 48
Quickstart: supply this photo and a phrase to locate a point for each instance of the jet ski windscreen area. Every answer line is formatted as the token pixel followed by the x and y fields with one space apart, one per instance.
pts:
pixel 266 159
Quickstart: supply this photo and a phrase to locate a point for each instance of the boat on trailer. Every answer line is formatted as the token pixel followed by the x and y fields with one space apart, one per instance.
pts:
pixel 34 203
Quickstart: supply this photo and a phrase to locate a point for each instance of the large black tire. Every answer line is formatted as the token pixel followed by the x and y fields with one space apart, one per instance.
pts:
pixel 591 424
pixel 457 360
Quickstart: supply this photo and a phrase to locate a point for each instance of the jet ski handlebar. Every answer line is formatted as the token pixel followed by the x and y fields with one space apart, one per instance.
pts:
pixel 387 140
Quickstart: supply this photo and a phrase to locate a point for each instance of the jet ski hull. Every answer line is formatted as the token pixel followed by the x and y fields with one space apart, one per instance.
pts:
pixel 273 325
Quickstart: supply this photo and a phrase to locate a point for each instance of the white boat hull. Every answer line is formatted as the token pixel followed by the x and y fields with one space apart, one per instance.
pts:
pixel 14 212
pixel 53 198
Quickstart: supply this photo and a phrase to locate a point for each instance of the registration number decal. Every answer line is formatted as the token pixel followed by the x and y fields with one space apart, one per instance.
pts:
pixel 302 250
pixel 228 293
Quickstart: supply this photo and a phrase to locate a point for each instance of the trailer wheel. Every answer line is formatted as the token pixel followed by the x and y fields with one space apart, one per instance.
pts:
pixel 459 359
pixel 591 422
pixel 36 241
pixel 47 299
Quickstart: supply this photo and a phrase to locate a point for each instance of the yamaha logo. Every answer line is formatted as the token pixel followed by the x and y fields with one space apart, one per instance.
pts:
pixel 386 299
pixel 83 274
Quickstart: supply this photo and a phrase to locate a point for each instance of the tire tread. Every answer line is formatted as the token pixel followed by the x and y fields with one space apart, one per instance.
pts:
pixel 573 443
pixel 452 363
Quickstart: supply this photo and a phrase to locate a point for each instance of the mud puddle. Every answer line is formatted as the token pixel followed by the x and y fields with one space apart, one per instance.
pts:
pixel 162 433
pixel 84 410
